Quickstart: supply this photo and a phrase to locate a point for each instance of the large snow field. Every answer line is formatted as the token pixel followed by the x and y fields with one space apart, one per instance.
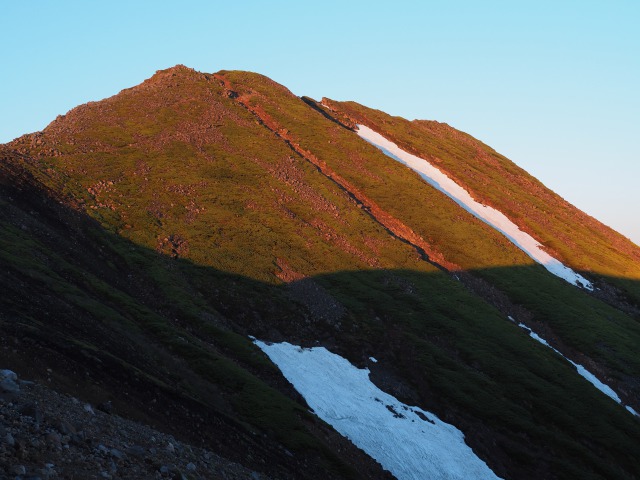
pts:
pixel 408 441
pixel 489 215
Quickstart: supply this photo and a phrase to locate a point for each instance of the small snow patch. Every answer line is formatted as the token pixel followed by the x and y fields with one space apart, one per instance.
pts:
pixel 606 389
pixel 538 338
pixel 373 360
pixel 583 372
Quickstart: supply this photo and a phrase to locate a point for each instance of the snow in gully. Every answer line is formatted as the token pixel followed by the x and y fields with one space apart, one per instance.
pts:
pixel 489 215
pixel 500 222
pixel 583 372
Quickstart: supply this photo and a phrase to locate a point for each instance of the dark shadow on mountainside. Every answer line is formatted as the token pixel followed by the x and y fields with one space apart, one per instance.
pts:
pixel 167 341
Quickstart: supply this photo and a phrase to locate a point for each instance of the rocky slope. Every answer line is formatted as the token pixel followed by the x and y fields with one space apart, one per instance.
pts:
pixel 45 434
pixel 146 236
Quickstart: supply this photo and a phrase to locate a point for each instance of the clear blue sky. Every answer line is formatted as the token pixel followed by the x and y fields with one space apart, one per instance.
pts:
pixel 554 85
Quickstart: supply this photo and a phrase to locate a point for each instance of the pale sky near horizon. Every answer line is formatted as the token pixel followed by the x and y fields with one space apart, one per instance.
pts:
pixel 553 85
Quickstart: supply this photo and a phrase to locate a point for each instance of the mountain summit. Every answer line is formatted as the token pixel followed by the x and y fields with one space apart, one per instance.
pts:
pixel 221 260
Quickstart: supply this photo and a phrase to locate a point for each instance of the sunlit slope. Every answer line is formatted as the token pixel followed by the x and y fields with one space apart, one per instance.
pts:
pixel 177 166
pixel 454 237
pixel 576 238
pixel 487 214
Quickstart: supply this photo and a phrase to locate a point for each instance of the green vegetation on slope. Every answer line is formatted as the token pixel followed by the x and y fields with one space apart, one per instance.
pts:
pixel 577 323
pixel 576 238
pixel 115 318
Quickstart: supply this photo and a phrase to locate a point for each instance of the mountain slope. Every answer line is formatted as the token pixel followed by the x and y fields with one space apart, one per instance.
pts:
pixel 452 237
pixel 576 238
pixel 107 320
pixel 157 229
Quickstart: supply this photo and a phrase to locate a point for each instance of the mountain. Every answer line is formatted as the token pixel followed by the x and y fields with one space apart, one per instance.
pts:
pixel 150 237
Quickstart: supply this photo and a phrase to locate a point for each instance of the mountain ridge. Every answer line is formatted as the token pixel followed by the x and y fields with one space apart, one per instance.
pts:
pixel 483 154
pixel 227 186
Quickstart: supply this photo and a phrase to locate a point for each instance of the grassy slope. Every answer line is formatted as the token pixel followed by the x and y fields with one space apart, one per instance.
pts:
pixel 574 237
pixel 214 180
pixel 468 242
pixel 234 201
pixel 580 323
pixel 115 320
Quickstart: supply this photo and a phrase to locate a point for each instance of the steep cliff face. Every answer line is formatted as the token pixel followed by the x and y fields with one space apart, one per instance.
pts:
pixel 149 234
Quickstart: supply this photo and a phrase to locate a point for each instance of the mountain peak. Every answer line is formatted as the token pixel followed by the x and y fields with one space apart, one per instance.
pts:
pixel 171 76
pixel 176 70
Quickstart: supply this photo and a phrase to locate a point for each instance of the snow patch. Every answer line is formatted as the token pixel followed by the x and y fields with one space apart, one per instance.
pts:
pixel 373 360
pixel 408 441
pixel 538 338
pixel 487 214
pixel 583 372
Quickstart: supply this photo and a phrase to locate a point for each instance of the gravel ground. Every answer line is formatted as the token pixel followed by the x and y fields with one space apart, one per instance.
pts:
pixel 46 435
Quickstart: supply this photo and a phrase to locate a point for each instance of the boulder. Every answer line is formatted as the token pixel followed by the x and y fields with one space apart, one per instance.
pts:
pixel 8 382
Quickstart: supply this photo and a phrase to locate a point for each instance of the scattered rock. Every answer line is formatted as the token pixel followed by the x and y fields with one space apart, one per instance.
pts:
pixel 33 410
pixel 117 454
pixel 46 436
pixel 54 439
pixel 11 375
pixel 18 470
pixel 65 427
pixel 9 382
